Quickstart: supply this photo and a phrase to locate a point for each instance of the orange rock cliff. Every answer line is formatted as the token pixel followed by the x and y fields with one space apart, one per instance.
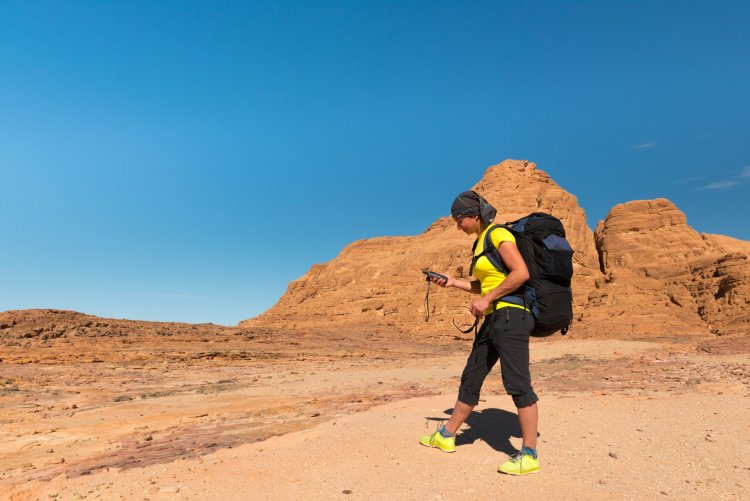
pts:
pixel 644 271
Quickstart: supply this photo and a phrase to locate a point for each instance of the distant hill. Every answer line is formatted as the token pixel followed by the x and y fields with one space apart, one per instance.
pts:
pixel 47 324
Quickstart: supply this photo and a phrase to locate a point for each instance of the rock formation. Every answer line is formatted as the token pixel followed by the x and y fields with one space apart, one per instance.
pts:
pixel 660 272
pixel 378 282
pixel 645 272
pixel 45 324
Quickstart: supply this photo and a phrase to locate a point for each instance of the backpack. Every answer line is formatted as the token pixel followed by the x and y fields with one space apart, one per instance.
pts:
pixel 549 257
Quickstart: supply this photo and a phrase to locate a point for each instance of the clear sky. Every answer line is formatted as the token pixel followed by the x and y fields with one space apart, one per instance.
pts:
pixel 184 161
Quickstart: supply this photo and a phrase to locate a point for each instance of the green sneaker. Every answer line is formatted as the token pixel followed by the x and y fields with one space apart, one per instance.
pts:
pixel 520 463
pixel 437 440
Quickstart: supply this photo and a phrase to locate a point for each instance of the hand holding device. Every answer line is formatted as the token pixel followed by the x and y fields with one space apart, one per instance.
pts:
pixel 433 275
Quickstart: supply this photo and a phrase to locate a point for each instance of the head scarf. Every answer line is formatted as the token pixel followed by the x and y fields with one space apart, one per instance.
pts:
pixel 470 203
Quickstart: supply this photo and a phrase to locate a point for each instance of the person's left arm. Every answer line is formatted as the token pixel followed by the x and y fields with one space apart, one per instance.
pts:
pixel 517 275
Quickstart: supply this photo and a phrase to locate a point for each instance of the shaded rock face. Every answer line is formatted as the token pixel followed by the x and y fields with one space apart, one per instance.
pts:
pixel 662 275
pixel 645 272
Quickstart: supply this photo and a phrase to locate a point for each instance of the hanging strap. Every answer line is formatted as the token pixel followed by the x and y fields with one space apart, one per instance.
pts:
pixel 427 302
pixel 473 326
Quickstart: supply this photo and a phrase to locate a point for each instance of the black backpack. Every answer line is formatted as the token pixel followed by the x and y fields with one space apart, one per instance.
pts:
pixel 549 258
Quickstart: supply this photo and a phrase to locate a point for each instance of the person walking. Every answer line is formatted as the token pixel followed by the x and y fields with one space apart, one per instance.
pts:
pixel 503 336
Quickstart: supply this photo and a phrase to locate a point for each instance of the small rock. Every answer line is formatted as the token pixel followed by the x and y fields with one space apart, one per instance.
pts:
pixel 346 491
pixel 613 455
pixel 169 489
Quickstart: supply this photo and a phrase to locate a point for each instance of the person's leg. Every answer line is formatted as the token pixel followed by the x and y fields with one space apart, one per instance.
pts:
pixel 461 412
pixel 528 418
pixel 511 340
pixel 481 360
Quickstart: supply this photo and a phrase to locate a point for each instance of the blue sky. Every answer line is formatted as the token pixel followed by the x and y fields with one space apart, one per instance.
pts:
pixel 183 161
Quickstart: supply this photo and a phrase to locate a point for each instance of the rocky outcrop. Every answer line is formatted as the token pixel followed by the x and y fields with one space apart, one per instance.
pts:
pixel 663 276
pixel 644 272
pixel 46 324
pixel 378 282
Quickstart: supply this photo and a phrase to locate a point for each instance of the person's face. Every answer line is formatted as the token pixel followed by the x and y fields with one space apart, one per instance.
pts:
pixel 467 224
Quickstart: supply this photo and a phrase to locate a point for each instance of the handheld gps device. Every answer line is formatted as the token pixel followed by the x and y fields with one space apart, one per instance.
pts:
pixel 432 274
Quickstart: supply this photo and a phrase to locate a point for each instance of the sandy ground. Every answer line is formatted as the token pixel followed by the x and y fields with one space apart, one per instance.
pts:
pixel 619 420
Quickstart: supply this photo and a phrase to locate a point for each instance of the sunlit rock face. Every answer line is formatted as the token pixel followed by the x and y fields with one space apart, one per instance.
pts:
pixel 662 276
pixel 644 271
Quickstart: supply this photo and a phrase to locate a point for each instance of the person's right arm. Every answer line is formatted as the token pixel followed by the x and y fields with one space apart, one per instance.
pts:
pixel 472 285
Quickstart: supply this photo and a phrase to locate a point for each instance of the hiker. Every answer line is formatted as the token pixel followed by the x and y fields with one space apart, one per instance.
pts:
pixel 504 334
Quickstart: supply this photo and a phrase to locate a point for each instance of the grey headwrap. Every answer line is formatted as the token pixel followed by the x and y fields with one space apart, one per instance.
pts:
pixel 471 203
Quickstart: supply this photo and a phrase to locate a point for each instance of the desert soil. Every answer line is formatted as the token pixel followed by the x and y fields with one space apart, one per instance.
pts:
pixel 337 415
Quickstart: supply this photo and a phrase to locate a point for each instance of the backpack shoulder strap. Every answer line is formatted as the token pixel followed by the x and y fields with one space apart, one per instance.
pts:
pixel 490 251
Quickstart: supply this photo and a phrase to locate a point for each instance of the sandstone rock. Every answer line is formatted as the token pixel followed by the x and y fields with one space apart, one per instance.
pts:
pixel 645 273
pixel 378 282
pixel 45 324
pixel 661 276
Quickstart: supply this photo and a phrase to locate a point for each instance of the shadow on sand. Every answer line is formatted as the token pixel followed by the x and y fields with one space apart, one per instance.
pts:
pixel 494 426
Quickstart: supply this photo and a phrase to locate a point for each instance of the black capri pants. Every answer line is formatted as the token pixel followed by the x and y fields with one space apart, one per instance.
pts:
pixel 504 335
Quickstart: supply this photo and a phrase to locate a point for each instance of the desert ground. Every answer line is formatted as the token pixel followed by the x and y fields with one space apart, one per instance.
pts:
pixel 239 414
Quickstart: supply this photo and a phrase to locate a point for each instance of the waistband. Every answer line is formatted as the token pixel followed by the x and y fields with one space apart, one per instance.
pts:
pixel 506 306
pixel 507 302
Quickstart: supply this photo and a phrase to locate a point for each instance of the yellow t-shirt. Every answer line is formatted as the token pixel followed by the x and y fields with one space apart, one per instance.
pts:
pixel 489 276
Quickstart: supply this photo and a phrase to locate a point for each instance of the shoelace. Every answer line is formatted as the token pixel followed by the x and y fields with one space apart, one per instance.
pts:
pixel 516 457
